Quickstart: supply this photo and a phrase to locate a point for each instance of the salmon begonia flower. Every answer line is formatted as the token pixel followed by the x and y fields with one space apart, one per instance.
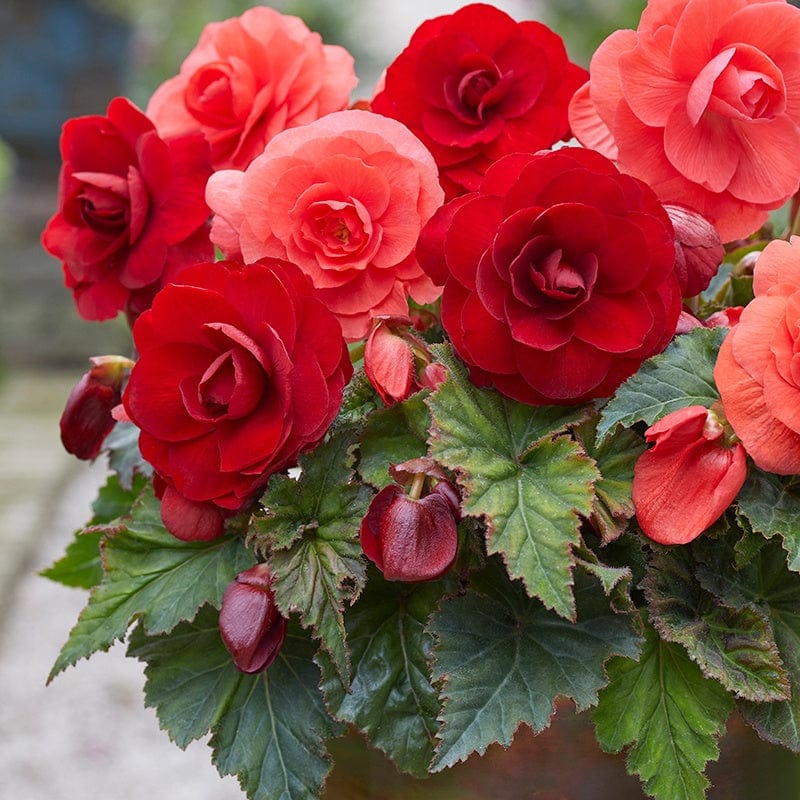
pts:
pixel 344 198
pixel 248 79
pixel 702 102
pixel 688 478
pixel 757 370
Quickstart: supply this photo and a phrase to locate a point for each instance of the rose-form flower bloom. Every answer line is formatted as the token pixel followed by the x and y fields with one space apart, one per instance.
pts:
pixel 757 367
pixel 344 198
pixel 702 102
pixel 397 362
pixel 476 85
pixel 249 78
pixel 250 624
pixel 131 210
pixel 560 276
pixel 688 478
pixel 87 419
pixel 239 370
pixel 412 539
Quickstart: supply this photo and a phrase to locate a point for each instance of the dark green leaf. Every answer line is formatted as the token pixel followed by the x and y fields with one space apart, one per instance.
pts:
pixel 152 575
pixel 80 566
pixel 767 585
pixel 772 508
pixel 391 698
pixel 680 376
pixel 669 714
pixel 359 401
pixel 269 729
pixel 528 484
pixel 311 527
pixel 732 645
pixel 393 435
pixel 503 659
pixel 615 457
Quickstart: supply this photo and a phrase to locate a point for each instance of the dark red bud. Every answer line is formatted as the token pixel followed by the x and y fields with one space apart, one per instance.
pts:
pixel 251 626
pixel 87 419
pixel 408 539
pixel 698 249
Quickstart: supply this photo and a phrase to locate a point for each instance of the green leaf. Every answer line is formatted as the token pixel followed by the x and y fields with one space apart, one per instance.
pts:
pixel 359 400
pixel 680 376
pixel 503 659
pixel 669 714
pixel 615 457
pixel 772 508
pixel 393 435
pixel 391 698
pixel 269 729
pixel 81 565
pixel 149 574
pixel 766 584
pixel 311 527
pixel 732 645
pixel 124 457
pixel 529 485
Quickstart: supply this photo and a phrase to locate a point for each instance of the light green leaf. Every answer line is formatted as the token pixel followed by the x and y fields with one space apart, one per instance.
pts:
pixel 311 528
pixel 391 698
pixel 773 509
pixel 152 575
pixel 527 483
pixel 394 434
pixel 503 659
pixel 680 376
pixel 732 645
pixel 669 714
pixel 268 729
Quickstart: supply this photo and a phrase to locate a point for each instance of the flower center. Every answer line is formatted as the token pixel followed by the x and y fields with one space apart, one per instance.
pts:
pixel 339 228
pixel 212 100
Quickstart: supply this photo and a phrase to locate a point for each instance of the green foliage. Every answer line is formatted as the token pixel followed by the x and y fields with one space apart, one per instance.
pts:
pixel 391 698
pixel 310 527
pixel 680 376
pixel 668 714
pixel 151 575
pixel 267 729
pixel 503 658
pixel 525 481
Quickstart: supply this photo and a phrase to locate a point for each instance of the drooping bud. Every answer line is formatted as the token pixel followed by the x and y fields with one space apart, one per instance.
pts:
pixel 413 537
pixel 689 477
pixel 87 419
pixel 397 362
pixel 698 249
pixel 251 626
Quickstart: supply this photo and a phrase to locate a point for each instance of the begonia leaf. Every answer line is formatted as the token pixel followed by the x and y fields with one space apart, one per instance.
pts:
pixel 765 584
pixel 310 527
pixel 391 698
pixel 359 400
pixel 394 434
pixel 732 645
pixel 773 508
pixel 151 575
pixel 680 376
pixel 615 457
pixel 124 456
pixel 503 659
pixel 268 729
pixel 527 483
pixel 669 715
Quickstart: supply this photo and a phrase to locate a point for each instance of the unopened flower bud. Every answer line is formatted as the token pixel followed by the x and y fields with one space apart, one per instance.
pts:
pixel 698 249
pixel 411 537
pixel 87 418
pixel 251 626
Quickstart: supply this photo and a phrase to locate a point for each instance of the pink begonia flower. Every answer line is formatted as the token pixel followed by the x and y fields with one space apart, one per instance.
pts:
pixel 344 198
pixel 248 79
pixel 757 370
pixel 688 478
pixel 702 102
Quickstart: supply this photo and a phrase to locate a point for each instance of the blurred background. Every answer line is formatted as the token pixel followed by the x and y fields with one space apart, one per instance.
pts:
pixel 88 735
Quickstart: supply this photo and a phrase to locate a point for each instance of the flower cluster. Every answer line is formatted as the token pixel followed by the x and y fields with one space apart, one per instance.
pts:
pixel 506 352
